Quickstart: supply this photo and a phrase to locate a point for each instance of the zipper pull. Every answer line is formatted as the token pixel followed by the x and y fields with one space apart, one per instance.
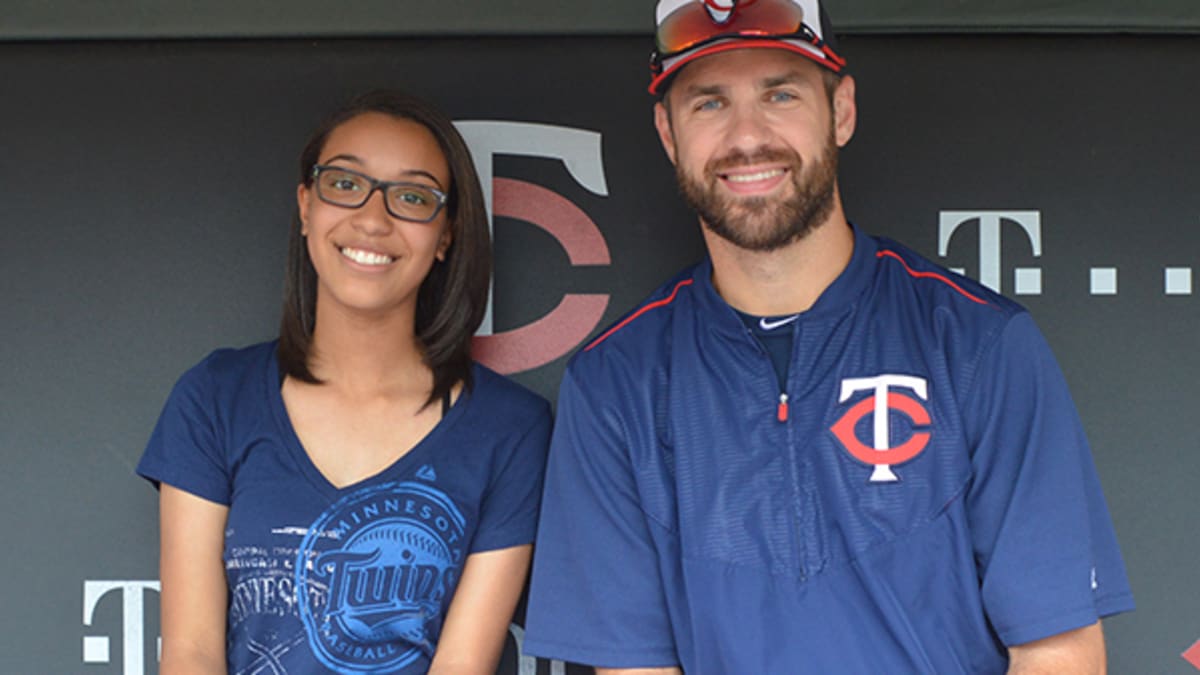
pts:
pixel 781 412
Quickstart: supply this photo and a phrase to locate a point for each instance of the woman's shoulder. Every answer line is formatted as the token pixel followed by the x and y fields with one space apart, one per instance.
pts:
pixel 228 367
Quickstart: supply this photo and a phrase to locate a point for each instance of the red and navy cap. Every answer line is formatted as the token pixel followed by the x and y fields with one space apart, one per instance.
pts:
pixel 689 29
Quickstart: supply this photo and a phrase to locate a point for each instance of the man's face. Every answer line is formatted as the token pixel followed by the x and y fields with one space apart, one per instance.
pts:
pixel 754 138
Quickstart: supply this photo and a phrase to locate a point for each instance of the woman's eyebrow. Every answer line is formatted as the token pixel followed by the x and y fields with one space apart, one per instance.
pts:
pixel 349 158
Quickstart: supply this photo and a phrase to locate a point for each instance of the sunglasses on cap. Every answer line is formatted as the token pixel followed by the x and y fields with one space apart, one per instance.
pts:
pixel 695 25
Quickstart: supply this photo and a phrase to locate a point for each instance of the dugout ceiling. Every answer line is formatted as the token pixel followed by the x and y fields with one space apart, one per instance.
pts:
pixel 155 19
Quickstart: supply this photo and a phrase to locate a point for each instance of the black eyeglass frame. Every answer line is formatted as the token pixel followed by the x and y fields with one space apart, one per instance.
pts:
pixel 377 184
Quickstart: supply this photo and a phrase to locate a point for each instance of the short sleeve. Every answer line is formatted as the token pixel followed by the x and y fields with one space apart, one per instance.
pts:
pixel 597 595
pixel 509 510
pixel 1040 528
pixel 184 450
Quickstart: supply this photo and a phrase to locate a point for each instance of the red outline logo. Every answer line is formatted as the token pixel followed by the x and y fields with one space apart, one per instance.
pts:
pixel 881 454
pixel 577 314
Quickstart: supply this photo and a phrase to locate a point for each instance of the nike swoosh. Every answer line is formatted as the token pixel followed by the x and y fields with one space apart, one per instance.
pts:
pixel 772 325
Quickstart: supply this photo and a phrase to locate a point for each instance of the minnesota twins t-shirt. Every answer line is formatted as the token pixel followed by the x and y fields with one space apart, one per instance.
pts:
pixel 354 579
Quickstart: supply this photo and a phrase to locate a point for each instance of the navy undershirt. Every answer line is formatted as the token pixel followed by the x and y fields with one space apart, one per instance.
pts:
pixel 775 334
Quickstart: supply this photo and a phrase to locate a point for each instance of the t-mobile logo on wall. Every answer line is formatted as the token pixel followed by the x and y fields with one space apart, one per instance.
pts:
pixel 1027 280
pixel 132 596
pixel 1102 280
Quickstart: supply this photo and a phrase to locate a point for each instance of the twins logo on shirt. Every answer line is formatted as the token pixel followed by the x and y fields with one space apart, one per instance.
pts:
pixel 396 550
pixel 880 406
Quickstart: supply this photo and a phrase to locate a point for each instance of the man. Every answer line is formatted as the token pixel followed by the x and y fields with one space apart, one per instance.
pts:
pixel 814 452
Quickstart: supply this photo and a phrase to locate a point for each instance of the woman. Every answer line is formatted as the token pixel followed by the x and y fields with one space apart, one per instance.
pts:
pixel 357 496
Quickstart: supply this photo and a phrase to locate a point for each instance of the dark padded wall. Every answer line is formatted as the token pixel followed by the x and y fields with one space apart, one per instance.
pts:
pixel 147 189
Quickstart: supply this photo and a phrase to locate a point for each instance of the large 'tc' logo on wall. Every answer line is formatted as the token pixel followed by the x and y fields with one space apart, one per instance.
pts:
pixel 577 314
pixel 880 407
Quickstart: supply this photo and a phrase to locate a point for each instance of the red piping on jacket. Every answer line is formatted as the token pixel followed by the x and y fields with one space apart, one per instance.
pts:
pixel 657 303
pixel 930 275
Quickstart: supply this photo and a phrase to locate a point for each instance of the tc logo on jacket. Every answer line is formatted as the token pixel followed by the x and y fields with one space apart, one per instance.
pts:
pixel 884 399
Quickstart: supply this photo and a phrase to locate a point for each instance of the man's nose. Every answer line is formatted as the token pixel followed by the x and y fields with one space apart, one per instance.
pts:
pixel 749 128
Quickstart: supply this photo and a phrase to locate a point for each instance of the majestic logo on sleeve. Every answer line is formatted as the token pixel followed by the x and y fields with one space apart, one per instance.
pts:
pixel 396 549
pixel 880 406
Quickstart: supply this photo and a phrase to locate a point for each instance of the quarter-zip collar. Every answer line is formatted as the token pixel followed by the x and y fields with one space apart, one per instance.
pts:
pixel 842 294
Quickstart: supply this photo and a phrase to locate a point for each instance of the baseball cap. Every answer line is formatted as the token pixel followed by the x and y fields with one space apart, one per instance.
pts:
pixel 689 29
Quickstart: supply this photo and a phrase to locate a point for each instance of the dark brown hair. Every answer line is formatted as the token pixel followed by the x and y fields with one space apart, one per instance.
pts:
pixel 451 300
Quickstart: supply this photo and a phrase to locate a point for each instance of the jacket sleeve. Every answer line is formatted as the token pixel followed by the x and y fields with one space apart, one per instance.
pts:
pixel 597 595
pixel 1044 545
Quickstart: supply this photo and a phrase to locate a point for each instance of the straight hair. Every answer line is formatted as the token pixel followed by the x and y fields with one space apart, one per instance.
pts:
pixel 452 298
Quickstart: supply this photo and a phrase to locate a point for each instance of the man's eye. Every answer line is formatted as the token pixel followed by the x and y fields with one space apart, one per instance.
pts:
pixel 709 104
pixel 782 96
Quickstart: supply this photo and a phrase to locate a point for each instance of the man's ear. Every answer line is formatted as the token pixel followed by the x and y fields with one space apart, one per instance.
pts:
pixel 845 110
pixel 662 122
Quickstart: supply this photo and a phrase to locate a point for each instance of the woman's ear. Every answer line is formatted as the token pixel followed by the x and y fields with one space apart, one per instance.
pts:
pixel 443 245
pixel 302 192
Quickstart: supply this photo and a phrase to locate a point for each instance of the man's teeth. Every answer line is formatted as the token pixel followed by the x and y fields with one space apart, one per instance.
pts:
pixel 751 177
pixel 366 257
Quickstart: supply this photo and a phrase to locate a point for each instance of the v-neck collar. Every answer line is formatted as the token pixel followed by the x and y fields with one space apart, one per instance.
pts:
pixel 409 462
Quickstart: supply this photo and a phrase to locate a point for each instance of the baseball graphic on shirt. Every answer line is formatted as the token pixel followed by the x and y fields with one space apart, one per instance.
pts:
pixel 389 565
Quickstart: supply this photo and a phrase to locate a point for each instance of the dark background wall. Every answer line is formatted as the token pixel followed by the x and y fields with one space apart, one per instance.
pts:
pixel 147 187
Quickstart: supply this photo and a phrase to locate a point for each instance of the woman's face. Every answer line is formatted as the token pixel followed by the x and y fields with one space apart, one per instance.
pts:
pixel 368 261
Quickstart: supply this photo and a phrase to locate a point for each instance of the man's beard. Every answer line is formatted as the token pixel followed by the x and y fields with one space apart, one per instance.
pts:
pixel 763 223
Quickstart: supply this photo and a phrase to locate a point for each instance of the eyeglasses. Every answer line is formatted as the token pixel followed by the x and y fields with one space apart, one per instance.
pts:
pixel 696 24
pixel 407 201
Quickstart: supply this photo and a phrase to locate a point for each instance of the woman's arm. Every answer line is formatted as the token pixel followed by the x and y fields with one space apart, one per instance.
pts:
pixel 194 591
pixel 482 608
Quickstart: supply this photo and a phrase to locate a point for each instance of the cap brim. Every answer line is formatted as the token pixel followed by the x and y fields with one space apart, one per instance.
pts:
pixel 671 66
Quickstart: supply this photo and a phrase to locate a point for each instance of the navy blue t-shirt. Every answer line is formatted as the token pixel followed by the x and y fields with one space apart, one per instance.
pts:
pixel 356 579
